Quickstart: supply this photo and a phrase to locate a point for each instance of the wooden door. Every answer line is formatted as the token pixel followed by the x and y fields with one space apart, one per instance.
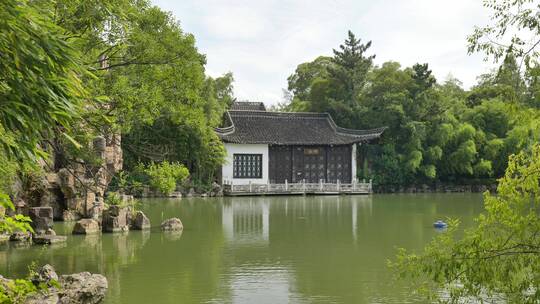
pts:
pixel 297 164
pixel 280 164
pixel 339 164
pixel 314 164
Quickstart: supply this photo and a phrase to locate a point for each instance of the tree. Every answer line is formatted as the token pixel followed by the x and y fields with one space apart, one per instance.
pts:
pixel 498 259
pixel 40 86
pixel 191 142
pixel 148 78
pixel 41 93
pixel 350 68
pixel 299 83
pixel 332 84
pixel 422 78
pixel 516 31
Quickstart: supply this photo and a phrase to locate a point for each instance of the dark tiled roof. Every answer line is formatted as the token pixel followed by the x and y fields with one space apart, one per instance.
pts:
pixel 248 106
pixel 283 128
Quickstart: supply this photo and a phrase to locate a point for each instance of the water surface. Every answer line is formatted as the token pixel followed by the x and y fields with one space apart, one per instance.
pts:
pixel 318 249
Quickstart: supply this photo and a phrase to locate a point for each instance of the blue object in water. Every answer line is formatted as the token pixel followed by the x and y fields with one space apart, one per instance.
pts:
pixel 440 224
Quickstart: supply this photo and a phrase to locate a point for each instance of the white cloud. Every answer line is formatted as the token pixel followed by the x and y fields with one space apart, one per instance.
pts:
pixel 235 23
pixel 262 42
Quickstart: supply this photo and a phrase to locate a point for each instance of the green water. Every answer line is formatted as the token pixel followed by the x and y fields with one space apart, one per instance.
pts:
pixel 316 249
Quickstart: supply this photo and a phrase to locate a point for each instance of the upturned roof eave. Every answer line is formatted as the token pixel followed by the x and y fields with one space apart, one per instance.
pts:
pixel 352 136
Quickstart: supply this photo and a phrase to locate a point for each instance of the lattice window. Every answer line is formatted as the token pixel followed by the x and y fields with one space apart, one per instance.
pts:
pixel 247 165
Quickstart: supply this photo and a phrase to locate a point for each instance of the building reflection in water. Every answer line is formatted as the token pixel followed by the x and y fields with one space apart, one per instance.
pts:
pixel 246 221
pixel 246 229
pixel 264 234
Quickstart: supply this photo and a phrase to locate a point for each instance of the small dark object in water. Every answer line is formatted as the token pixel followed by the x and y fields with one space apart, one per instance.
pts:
pixel 440 224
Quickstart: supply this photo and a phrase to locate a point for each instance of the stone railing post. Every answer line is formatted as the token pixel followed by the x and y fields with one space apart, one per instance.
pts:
pixel 304 185
pixel 320 184
pixel 286 186
pixel 370 185
pixel 338 185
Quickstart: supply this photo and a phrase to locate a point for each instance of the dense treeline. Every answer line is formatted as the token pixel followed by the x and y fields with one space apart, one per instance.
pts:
pixel 437 130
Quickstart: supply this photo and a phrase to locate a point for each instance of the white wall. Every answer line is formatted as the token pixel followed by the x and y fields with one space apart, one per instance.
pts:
pixel 353 163
pixel 227 169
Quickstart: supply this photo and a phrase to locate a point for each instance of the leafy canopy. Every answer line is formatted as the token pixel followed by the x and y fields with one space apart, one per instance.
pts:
pixel 41 92
pixel 40 87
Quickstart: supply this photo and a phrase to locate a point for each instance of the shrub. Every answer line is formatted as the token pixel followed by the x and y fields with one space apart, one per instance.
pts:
pixel 165 176
pixel 113 199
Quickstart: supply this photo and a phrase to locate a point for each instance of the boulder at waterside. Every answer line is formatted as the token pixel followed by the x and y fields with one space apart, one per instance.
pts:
pixel 115 219
pixel 86 226
pixel 83 288
pixel 79 288
pixel 173 224
pixel 141 221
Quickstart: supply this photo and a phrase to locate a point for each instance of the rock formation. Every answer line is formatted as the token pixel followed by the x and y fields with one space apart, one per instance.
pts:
pixel 42 219
pixel 79 288
pixel 74 189
pixel 141 221
pixel 116 219
pixel 86 226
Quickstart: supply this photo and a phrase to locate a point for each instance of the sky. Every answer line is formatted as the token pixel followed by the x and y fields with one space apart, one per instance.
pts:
pixel 261 42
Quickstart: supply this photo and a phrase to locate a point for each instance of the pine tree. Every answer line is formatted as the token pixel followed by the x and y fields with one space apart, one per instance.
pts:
pixel 351 66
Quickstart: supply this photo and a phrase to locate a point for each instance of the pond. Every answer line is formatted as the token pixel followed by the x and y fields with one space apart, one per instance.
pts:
pixel 316 249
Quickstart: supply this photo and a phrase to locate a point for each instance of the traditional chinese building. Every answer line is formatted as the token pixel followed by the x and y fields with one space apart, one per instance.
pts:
pixel 298 150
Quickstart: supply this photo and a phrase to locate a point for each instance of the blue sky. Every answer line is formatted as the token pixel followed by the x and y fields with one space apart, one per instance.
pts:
pixel 262 42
